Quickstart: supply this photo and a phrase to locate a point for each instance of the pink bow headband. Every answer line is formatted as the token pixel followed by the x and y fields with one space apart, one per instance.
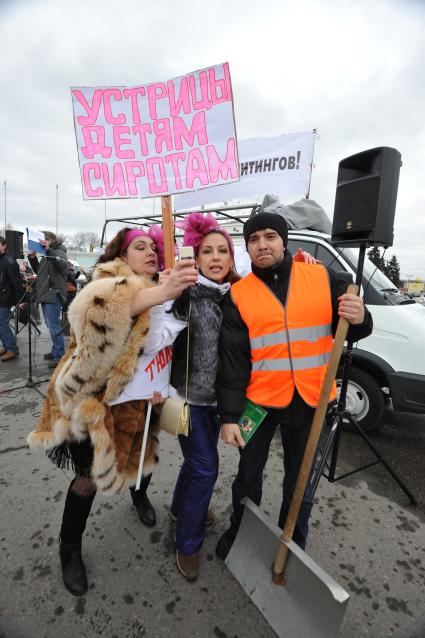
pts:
pixel 196 226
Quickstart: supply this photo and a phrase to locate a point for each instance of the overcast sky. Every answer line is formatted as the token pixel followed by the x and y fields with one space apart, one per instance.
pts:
pixel 353 70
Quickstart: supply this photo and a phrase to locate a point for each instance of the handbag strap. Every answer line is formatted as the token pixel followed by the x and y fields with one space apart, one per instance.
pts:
pixel 187 351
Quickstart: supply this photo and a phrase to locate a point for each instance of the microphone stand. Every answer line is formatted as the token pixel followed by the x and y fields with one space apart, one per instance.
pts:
pixel 30 383
pixel 16 314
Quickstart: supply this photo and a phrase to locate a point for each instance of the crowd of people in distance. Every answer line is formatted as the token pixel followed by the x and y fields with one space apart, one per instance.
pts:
pixel 51 283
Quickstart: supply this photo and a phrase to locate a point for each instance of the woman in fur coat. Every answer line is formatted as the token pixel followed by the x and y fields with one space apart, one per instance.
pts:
pixel 89 417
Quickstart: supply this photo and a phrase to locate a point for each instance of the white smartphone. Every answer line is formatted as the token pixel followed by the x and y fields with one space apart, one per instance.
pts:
pixel 186 252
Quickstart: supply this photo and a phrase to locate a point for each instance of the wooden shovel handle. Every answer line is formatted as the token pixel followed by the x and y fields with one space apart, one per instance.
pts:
pixel 168 231
pixel 313 439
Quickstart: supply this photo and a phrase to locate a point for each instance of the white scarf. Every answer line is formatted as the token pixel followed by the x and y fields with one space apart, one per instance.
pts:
pixel 222 288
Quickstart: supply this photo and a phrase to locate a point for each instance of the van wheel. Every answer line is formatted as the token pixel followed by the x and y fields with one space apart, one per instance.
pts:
pixel 365 401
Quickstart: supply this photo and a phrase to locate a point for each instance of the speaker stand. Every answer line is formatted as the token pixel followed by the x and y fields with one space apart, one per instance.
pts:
pixel 341 414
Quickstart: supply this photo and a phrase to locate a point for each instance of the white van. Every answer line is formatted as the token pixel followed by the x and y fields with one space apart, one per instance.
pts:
pixel 391 362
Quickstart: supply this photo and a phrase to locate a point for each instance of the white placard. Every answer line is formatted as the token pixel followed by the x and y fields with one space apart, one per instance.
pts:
pixel 151 375
pixel 156 139
pixel 279 165
pixel 33 237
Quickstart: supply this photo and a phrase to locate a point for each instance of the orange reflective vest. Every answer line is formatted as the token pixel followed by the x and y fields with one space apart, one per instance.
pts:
pixel 291 344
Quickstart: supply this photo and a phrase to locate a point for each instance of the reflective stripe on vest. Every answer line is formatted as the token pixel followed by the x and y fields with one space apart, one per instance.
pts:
pixel 302 363
pixel 291 344
pixel 296 334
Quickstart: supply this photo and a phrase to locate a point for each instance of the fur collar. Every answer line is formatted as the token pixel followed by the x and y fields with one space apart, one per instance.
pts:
pixel 115 268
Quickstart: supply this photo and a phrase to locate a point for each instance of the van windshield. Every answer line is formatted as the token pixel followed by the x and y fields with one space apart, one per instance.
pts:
pixel 375 278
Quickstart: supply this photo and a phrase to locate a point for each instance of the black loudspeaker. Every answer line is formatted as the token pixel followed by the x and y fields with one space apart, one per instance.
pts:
pixel 15 243
pixel 366 196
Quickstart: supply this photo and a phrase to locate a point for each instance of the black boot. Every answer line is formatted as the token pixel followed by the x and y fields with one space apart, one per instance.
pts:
pixel 142 504
pixel 75 514
pixel 73 569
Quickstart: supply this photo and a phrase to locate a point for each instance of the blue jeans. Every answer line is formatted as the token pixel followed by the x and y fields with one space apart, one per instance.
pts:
pixel 253 458
pixel 6 335
pixel 196 479
pixel 51 313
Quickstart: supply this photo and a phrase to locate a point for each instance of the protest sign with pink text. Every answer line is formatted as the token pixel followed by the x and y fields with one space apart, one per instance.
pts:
pixel 157 139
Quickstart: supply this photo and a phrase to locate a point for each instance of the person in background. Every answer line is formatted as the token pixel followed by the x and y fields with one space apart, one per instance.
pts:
pixel 25 269
pixel 51 291
pixel 10 293
pixel 71 290
pixel 28 278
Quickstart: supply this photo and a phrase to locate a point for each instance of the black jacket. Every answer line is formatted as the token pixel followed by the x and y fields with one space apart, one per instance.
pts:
pixel 10 281
pixel 234 368
pixel 51 274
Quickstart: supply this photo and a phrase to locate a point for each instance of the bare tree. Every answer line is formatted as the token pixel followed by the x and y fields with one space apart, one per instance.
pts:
pixel 86 241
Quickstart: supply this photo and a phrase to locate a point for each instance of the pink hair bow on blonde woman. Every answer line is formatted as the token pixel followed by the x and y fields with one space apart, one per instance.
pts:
pixel 196 226
pixel 155 233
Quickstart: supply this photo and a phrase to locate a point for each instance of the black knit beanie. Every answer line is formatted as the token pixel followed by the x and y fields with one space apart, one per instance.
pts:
pixel 260 221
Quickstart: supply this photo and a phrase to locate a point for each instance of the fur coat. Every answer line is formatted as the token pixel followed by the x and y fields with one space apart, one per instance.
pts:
pixel 100 360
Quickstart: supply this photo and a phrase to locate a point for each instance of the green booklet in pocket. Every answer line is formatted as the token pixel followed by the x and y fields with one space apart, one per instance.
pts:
pixel 252 417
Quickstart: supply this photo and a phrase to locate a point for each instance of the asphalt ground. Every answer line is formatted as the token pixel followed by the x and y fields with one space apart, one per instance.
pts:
pixel 364 533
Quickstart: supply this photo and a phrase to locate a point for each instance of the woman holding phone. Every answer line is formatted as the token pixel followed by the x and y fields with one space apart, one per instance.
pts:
pixel 214 253
pixel 91 417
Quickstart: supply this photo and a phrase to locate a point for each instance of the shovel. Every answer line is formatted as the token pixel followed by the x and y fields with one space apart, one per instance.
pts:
pixel 294 594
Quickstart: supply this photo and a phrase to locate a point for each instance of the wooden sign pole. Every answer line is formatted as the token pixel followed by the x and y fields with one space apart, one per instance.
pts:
pixel 168 230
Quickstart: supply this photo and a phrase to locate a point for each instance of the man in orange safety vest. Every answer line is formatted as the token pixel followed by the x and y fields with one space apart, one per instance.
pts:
pixel 276 337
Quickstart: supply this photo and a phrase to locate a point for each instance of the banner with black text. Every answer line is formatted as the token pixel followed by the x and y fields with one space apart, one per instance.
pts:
pixel 280 165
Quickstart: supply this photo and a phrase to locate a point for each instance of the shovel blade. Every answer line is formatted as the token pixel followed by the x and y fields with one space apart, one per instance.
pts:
pixel 310 605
